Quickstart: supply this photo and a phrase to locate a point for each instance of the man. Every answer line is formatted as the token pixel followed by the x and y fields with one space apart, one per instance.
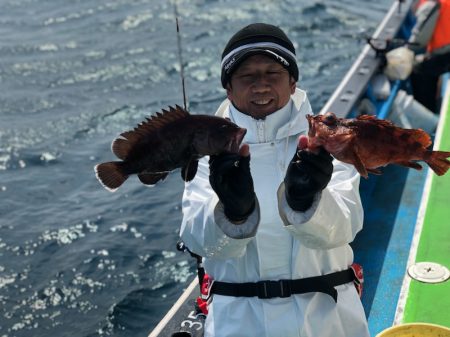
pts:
pixel 431 31
pixel 275 211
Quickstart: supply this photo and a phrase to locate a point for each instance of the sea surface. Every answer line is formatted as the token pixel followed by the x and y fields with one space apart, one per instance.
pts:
pixel 75 259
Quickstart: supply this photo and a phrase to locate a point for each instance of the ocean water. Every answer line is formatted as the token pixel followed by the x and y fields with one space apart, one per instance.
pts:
pixel 75 259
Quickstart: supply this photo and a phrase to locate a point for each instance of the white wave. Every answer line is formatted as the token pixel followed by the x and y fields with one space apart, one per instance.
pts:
pixel 71 45
pixel 65 236
pixel 48 47
pixel 5 280
pixel 133 21
pixel 167 254
pixel 119 228
pixel 95 54
pixel 47 157
pixel 4 159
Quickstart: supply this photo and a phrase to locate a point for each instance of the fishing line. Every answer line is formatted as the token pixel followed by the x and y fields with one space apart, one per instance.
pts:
pixel 180 55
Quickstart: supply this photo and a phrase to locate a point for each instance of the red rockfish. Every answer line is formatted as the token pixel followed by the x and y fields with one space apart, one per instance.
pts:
pixel 369 143
pixel 167 141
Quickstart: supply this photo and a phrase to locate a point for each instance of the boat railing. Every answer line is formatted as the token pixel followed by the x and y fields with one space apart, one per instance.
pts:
pixel 352 88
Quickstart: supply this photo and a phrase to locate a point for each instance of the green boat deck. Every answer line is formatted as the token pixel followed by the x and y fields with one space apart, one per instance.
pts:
pixel 430 302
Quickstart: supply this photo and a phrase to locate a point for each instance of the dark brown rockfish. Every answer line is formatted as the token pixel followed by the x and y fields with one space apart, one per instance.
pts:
pixel 369 143
pixel 167 141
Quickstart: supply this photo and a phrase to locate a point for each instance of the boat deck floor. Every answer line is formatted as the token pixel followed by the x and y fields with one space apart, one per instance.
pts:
pixel 382 247
pixel 429 302
pixel 405 224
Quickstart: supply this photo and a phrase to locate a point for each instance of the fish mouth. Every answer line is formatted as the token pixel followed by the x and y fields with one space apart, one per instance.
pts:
pixel 312 128
pixel 235 142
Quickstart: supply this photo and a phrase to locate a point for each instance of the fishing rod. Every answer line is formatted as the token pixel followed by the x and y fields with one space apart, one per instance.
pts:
pixel 180 55
pixel 399 8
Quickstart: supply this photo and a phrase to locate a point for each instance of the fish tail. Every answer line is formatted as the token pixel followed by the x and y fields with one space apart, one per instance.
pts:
pixel 111 175
pixel 438 162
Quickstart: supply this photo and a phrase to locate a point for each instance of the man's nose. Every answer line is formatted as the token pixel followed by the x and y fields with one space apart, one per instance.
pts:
pixel 261 83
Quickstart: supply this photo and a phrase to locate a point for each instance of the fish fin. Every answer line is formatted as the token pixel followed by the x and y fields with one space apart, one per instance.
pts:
pixel 416 135
pixel 152 178
pixel 372 118
pixel 122 146
pixel 422 137
pixel 410 164
pixel 162 118
pixel 111 175
pixel 374 171
pixel 188 171
pixel 367 117
pixel 357 162
pixel 438 162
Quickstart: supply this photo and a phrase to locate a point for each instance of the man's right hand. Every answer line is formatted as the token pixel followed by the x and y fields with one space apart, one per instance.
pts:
pixel 232 181
pixel 307 174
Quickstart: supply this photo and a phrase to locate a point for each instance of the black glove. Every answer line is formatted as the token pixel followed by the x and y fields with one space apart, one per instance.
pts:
pixel 307 174
pixel 230 178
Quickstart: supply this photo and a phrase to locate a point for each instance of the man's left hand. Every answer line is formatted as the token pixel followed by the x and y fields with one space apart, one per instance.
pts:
pixel 308 174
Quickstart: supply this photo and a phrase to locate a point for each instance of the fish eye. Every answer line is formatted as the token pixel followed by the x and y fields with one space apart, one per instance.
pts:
pixel 330 118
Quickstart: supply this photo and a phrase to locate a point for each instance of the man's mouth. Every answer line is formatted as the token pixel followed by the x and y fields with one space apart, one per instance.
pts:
pixel 262 101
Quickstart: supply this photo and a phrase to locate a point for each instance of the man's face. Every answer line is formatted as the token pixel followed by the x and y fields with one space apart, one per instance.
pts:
pixel 260 86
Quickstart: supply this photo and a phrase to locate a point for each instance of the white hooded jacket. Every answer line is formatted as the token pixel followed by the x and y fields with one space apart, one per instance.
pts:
pixel 276 242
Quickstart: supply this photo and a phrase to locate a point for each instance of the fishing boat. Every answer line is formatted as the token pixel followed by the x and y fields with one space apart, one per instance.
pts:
pixel 404 246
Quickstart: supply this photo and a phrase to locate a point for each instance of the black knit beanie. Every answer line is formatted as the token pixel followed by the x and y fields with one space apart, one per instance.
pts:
pixel 258 38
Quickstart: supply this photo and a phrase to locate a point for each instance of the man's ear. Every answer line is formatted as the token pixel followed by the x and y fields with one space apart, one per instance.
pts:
pixel 292 84
pixel 229 91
